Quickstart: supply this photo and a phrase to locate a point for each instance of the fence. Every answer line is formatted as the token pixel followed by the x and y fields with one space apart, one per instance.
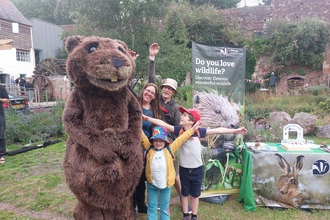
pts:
pixel 33 94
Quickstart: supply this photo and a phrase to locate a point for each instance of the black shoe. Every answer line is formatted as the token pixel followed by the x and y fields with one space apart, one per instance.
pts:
pixel 143 209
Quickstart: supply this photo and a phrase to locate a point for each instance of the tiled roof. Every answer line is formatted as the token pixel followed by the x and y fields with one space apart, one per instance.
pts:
pixel 9 12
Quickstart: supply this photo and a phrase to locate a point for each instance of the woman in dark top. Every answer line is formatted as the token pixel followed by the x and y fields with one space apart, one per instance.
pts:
pixel 149 101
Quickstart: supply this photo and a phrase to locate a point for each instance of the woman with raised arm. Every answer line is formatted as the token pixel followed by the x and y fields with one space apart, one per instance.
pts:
pixel 169 108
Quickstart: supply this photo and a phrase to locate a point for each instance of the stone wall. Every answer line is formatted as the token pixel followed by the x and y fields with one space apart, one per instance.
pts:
pixel 253 20
pixel 297 10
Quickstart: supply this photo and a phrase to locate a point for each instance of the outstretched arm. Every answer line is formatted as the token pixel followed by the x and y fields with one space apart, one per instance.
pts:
pixel 153 51
pixel 222 130
pixel 158 122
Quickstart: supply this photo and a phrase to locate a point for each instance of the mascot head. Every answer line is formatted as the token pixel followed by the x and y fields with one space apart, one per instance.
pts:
pixel 96 62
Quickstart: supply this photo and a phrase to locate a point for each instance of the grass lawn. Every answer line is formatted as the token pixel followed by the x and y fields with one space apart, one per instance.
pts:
pixel 32 186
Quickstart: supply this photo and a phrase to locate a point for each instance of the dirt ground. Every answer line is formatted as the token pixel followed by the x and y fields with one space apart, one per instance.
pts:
pixel 32 214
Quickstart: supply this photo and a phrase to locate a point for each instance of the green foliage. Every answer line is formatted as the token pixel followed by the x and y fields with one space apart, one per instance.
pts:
pixel 184 96
pixel 325 105
pixel 183 24
pixel 62 54
pixel 251 61
pixel 130 21
pixel 220 4
pixel 251 87
pixel 317 90
pixel 303 43
pixel 37 126
pixel 261 104
pixel 43 9
pixel 301 72
pixel 287 71
pixel 200 23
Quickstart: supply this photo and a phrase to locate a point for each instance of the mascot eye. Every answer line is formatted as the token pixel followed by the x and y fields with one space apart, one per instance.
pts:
pixel 121 49
pixel 217 111
pixel 92 47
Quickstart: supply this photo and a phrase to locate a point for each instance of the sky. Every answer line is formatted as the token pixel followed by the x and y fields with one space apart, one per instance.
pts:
pixel 249 3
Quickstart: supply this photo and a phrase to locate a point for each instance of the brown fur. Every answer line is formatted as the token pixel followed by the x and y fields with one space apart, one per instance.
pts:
pixel 103 160
pixel 289 194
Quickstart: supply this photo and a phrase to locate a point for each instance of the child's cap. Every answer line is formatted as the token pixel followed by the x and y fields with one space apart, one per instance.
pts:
pixel 160 132
pixel 192 112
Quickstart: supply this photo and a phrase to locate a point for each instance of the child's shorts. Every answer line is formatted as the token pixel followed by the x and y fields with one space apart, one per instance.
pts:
pixel 191 181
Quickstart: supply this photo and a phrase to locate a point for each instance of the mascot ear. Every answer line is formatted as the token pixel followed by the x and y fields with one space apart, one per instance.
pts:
pixel 72 42
pixel 133 54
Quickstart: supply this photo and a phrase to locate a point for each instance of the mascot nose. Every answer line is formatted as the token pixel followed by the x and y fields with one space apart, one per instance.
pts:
pixel 117 62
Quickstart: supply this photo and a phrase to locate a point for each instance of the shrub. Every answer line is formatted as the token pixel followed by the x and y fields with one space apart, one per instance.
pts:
pixel 37 126
pixel 325 105
pixel 251 87
pixel 301 72
pixel 297 43
pixel 184 96
pixel 317 90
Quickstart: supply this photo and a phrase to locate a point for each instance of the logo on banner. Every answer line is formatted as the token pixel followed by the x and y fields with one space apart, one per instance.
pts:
pixel 224 50
pixel 320 167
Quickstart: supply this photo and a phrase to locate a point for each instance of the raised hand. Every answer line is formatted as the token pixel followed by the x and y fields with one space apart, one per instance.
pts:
pixel 196 125
pixel 153 50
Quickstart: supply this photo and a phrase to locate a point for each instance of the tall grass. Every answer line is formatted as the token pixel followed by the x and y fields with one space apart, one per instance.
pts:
pixel 260 104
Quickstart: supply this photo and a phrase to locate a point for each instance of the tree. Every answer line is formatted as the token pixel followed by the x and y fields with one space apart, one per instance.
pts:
pixel 42 9
pixel 292 43
pixel 185 23
pixel 174 60
pixel 134 22
pixel 220 4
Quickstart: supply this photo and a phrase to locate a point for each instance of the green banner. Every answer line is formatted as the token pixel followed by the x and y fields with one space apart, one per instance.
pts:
pixel 218 76
pixel 219 69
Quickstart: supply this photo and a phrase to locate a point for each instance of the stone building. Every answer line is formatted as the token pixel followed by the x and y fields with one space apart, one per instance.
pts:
pixel 253 21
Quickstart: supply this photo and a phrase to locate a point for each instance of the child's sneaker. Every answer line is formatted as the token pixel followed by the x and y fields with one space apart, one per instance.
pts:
pixel 194 218
pixel 186 218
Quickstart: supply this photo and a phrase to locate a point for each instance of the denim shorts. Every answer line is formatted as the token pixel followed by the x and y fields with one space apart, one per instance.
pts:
pixel 191 181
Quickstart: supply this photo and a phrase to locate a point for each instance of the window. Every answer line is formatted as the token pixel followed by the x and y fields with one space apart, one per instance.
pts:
pixel 15 28
pixel 22 56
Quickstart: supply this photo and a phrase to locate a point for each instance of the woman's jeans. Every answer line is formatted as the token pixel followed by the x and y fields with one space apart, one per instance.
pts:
pixel 164 202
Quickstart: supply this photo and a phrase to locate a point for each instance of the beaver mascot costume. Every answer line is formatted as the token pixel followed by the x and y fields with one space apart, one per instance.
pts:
pixel 103 161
